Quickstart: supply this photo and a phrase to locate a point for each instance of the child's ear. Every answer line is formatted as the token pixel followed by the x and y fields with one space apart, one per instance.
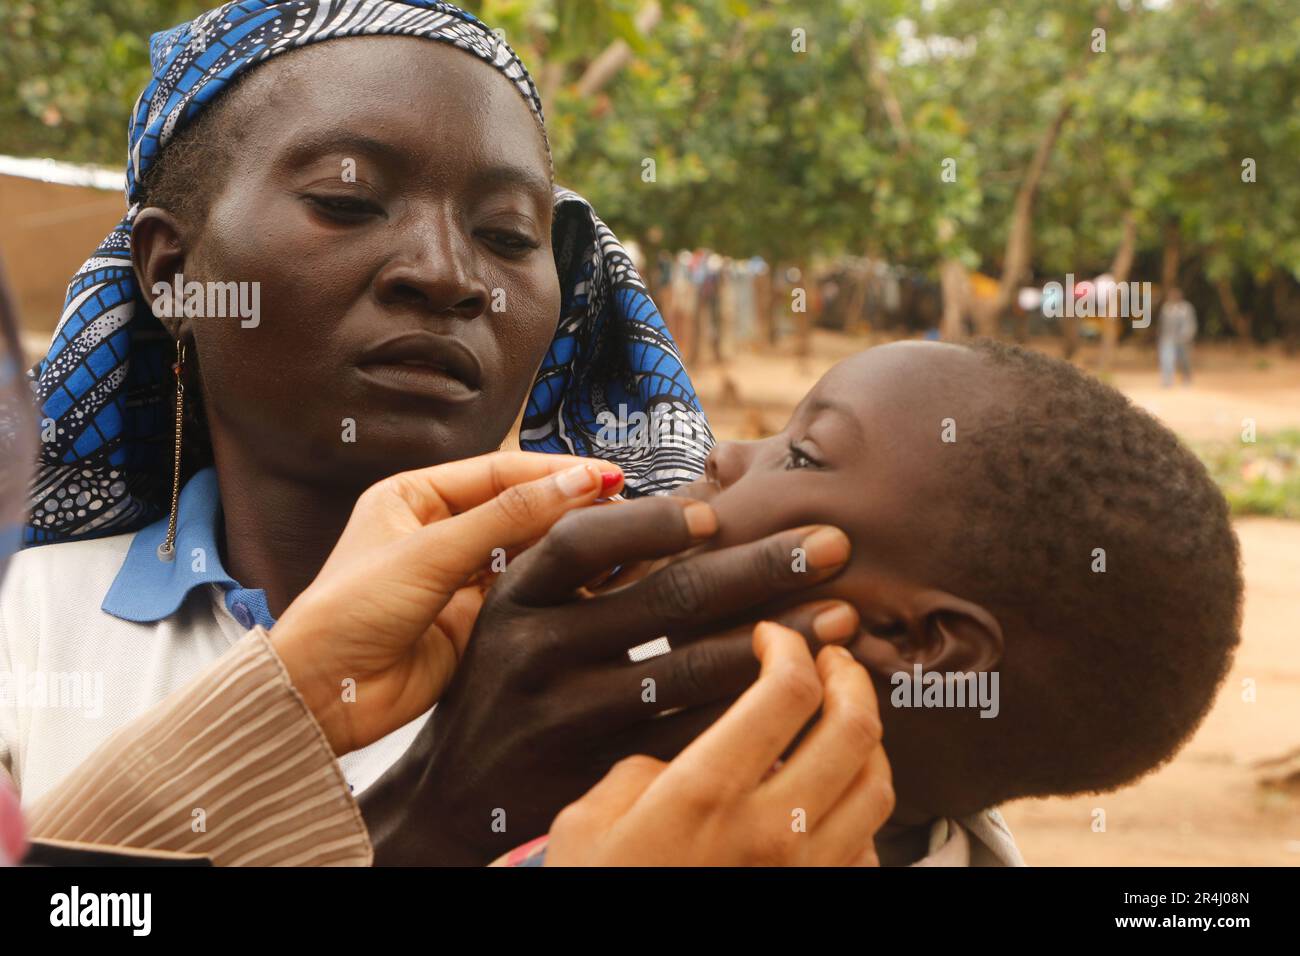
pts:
pixel 961 636
pixel 939 631
pixel 158 256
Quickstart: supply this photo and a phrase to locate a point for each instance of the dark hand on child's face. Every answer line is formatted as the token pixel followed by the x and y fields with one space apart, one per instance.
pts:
pixel 545 699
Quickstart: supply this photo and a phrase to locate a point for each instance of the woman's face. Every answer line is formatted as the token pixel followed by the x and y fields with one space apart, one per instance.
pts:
pixel 391 196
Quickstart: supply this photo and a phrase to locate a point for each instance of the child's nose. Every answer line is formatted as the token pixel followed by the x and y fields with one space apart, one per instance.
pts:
pixel 726 463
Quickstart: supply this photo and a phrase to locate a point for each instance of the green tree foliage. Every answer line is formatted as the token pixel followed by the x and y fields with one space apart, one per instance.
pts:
pixel 70 71
pixel 796 129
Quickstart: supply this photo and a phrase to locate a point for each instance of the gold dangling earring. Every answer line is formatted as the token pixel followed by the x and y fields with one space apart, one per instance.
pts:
pixel 167 550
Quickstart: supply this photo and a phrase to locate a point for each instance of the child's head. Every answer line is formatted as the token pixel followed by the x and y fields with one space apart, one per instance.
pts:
pixel 1008 514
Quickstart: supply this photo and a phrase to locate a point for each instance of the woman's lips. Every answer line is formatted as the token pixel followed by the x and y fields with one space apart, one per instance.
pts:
pixel 424 380
pixel 426 364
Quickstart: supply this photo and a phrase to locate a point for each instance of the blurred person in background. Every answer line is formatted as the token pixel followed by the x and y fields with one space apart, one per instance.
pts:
pixel 1176 332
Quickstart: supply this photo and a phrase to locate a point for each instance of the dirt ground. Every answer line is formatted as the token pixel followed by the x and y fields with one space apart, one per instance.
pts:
pixel 1232 795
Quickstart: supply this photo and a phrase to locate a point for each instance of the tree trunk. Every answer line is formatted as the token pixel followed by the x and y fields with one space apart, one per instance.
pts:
pixel 1120 268
pixel 803 320
pixel 1286 311
pixel 1239 321
pixel 617 55
pixel 1015 260
pixel 854 316
pixel 1123 264
pixel 1172 255
pixel 879 79
pixel 954 286
pixel 1070 336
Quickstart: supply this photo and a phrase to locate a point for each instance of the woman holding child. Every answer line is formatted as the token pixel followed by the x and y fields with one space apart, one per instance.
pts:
pixel 207 541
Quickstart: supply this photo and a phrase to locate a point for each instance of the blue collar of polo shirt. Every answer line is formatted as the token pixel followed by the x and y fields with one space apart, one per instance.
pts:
pixel 148 589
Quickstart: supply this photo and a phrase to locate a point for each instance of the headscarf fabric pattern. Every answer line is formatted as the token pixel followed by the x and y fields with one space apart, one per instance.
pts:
pixel 105 386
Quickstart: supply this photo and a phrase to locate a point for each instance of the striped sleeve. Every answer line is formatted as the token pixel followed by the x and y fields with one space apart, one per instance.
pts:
pixel 232 766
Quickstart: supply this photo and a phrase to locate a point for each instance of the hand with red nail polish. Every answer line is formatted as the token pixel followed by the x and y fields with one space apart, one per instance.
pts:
pixel 391 610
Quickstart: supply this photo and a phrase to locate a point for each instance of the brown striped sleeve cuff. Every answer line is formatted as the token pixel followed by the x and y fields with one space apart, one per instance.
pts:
pixel 233 766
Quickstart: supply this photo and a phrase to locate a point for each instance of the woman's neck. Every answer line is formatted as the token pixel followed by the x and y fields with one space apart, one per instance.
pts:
pixel 278 531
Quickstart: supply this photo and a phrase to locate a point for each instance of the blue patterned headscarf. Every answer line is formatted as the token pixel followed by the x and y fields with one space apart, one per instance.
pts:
pixel 105 387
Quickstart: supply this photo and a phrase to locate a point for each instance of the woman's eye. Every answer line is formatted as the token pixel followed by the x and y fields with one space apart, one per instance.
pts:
pixel 345 208
pixel 515 244
pixel 798 458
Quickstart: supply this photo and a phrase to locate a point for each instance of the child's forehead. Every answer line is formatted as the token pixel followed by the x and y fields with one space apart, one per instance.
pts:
pixel 898 374
pixel 899 399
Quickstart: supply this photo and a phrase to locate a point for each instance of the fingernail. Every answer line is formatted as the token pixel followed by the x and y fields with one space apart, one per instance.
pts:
pixel 826 548
pixel 610 479
pixel 576 481
pixel 836 624
pixel 701 520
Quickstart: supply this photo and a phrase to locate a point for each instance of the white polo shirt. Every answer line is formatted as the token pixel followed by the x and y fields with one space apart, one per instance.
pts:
pixel 93 633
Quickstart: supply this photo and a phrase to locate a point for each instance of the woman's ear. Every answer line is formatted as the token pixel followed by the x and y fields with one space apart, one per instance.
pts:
pixel 158 257
pixel 935 629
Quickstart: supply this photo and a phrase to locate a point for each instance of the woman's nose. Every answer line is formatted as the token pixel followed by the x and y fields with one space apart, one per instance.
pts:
pixel 727 462
pixel 432 268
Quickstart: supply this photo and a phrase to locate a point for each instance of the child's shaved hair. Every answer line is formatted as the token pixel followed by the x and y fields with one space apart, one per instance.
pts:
pixel 1067 479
